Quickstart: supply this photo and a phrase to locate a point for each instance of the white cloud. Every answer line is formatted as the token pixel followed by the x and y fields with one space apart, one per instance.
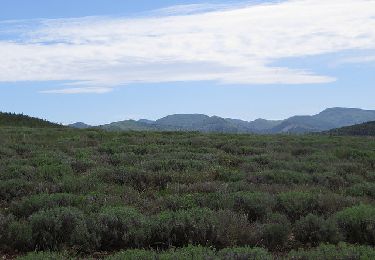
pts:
pixel 227 44
pixel 77 90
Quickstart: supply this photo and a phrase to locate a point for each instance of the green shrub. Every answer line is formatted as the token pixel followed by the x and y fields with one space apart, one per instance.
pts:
pixel 358 224
pixel 280 177
pixel 296 204
pixel 134 254
pixel 55 228
pixel 341 252
pixel 234 230
pixel 188 253
pixel 183 227
pixel 5 221
pixel 45 256
pixel 249 253
pixel 275 233
pixel 53 172
pixel 121 227
pixel 19 236
pixel 255 205
pixel 362 189
pixel 139 179
pixel 313 230
pixel 29 205
pixel 173 202
pixel 16 188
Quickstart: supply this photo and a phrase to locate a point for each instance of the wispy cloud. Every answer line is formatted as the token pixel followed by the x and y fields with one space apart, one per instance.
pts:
pixel 228 44
pixel 84 90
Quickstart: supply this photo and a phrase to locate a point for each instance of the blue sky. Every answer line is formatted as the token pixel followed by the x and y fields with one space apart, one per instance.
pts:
pixel 99 61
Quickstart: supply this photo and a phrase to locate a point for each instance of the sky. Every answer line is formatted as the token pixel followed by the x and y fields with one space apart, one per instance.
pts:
pixel 100 61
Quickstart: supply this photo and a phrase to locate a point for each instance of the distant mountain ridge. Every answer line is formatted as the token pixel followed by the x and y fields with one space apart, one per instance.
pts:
pixel 326 120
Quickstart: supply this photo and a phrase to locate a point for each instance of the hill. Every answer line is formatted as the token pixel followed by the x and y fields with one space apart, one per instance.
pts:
pixel 328 119
pixel 80 125
pixel 365 129
pixel 20 120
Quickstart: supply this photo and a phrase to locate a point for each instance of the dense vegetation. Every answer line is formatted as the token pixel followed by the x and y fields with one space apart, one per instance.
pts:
pixel 176 195
pixel 20 120
pixel 365 129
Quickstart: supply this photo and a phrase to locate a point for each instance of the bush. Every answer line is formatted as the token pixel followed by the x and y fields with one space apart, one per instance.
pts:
pixel 134 254
pixel 296 204
pixel 5 221
pixel 58 227
pixel 183 227
pixel 29 205
pixel 280 177
pixel 121 227
pixel 275 233
pixel 234 230
pixel 13 189
pixel 248 253
pixel 358 224
pixel 138 179
pixel 19 236
pixel 44 256
pixel 341 252
pixel 255 205
pixel 313 230
pixel 188 253
pixel 362 189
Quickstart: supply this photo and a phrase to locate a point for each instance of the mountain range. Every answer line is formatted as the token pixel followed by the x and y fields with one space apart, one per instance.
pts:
pixel 328 119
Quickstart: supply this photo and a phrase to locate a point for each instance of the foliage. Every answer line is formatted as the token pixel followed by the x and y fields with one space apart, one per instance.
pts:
pixel 341 252
pixel 358 224
pixel 178 194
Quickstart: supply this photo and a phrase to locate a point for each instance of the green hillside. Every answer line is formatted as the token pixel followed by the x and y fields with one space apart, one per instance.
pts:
pixel 366 129
pixel 20 120
pixel 69 193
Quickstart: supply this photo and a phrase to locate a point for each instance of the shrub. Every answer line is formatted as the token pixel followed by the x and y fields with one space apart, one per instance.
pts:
pixel 120 227
pixel 138 179
pixel 173 202
pixel 341 252
pixel 29 205
pixel 187 253
pixel 275 233
pixel 234 230
pixel 248 253
pixel 296 204
pixel 215 201
pixel 329 203
pixel 313 230
pixel 18 236
pixel 255 205
pixel 16 188
pixel 183 227
pixel 362 189
pixel 280 177
pixel 358 224
pixel 45 256
pixel 58 227
pixel 5 221
pixel 134 254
